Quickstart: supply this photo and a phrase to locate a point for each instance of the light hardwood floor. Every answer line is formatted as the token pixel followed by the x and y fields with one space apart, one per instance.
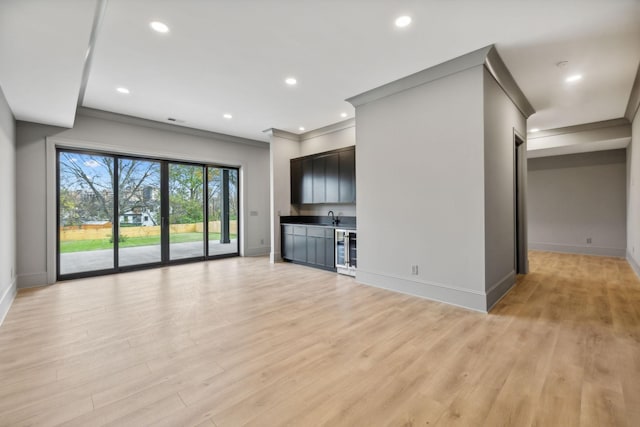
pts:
pixel 240 341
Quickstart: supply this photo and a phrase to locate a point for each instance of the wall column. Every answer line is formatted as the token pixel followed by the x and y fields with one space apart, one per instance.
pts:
pixel 283 147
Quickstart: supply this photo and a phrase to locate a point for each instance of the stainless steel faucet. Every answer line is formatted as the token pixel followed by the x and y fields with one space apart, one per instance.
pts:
pixel 333 217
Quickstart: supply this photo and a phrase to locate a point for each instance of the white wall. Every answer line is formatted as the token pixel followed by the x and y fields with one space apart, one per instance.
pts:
pixel 578 196
pixel 118 134
pixel 334 140
pixel 7 207
pixel 420 184
pixel 31 187
pixel 501 118
pixel 633 204
pixel 281 150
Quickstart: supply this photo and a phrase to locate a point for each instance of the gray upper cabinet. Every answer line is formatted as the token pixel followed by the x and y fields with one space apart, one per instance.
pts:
pixel 296 180
pixel 332 178
pixel 328 177
pixel 347 178
pixel 307 181
pixel 319 181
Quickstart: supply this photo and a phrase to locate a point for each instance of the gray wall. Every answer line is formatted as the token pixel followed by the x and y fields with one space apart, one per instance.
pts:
pixel 281 150
pixel 633 188
pixel 501 118
pixel 7 207
pixel 113 133
pixel 420 184
pixel 578 196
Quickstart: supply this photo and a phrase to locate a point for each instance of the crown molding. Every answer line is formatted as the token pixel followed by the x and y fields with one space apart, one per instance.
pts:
pixel 634 98
pixel 500 72
pixel 335 127
pixel 456 65
pixel 136 121
pixel 279 133
pixel 487 56
pixel 622 122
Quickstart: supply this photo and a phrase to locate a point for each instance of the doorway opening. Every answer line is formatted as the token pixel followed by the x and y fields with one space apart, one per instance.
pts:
pixel 521 261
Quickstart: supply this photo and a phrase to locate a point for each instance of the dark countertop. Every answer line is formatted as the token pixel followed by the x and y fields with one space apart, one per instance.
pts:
pixel 348 222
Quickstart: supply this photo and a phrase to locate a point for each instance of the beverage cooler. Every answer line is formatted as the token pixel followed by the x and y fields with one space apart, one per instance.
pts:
pixel 346 252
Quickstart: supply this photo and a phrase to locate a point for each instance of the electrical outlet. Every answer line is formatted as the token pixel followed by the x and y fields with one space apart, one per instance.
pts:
pixel 414 270
pixel 262 241
pixel 588 240
pixel 11 273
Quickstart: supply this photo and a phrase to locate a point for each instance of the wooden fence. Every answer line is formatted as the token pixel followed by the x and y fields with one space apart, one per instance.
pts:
pixel 104 231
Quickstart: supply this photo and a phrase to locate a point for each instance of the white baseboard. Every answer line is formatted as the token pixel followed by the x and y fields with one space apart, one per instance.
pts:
pixel 32 280
pixel 466 298
pixel 6 300
pixel 275 257
pixel 500 289
pixel 259 251
pixel 576 249
pixel 633 263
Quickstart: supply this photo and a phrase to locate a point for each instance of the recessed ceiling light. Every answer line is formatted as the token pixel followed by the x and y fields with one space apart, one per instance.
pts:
pixel 227 116
pixel 403 21
pixel 301 128
pixel 573 78
pixel 291 81
pixel 343 114
pixel 123 90
pixel 534 130
pixel 160 27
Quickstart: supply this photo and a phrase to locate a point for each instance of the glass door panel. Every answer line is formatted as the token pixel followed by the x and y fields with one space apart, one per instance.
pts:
pixel 222 208
pixel 139 212
pixel 186 211
pixel 85 212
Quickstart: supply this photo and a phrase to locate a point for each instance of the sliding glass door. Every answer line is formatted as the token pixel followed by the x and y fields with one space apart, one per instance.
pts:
pixel 120 213
pixel 85 212
pixel 222 189
pixel 186 211
pixel 139 203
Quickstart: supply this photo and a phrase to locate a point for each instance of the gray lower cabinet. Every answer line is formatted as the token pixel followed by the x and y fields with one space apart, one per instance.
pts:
pixel 310 245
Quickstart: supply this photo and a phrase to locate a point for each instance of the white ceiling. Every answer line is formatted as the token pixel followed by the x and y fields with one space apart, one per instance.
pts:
pixel 233 56
pixel 42 50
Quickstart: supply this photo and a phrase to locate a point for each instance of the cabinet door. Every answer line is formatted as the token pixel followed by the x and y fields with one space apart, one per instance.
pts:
pixel 320 252
pixel 307 181
pixel 287 246
pixel 296 181
pixel 332 178
pixel 311 250
pixel 329 249
pixel 348 176
pixel 300 248
pixel 318 179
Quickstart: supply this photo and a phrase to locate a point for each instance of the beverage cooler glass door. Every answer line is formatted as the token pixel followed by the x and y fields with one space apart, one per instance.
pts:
pixel 352 258
pixel 341 252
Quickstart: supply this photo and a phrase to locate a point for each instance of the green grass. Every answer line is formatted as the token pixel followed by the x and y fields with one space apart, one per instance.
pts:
pixel 94 245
